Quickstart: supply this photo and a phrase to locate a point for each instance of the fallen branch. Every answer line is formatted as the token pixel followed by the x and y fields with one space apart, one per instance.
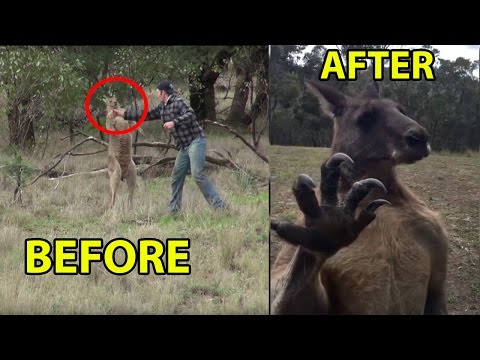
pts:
pixel 169 146
pixel 159 162
pixel 145 159
pixel 89 153
pixel 261 156
pixel 230 163
pixel 79 173
pixel 222 111
pixel 148 159
pixel 228 152
pixel 237 167
pixel 155 144
pixel 221 162
pixel 105 143
pixel 90 138
pixel 92 172
pixel 260 134
pixel 146 144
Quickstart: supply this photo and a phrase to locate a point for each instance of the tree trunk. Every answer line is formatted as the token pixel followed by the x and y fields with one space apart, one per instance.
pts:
pixel 197 97
pixel 71 131
pixel 21 132
pixel 201 86
pixel 202 95
pixel 236 115
pixel 259 64
pixel 259 107
pixel 209 79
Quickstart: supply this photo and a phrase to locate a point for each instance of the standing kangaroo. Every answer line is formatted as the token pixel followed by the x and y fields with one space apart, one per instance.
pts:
pixel 120 163
pixel 363 258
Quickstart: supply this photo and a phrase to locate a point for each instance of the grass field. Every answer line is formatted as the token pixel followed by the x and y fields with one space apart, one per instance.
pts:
pixel 449 183
pixel 228 253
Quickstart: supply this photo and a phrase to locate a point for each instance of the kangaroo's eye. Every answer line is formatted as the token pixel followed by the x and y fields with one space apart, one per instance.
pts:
pixel 367 119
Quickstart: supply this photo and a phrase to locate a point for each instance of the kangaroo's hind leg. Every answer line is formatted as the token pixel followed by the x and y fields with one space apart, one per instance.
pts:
pixel 131 182
pixel 114 173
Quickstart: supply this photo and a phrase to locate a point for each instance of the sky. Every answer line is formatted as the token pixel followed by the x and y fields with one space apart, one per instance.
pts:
pixel 448 52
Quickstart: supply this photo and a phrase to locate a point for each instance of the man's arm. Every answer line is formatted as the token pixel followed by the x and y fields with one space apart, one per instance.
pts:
pixel 154 114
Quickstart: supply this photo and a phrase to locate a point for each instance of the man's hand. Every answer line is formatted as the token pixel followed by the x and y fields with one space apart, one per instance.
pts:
pixel 118 112
pixel 169 125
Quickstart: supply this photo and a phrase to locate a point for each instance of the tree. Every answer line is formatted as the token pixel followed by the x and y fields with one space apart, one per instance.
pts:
pixel 38 84
pixel 201 65
pixel 250 63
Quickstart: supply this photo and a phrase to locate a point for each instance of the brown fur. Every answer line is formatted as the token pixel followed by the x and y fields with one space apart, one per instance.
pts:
pixel 398 263
pixel 120 163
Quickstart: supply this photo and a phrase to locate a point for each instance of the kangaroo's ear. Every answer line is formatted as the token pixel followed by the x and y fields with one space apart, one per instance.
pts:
pixel 371 91
pixel 336 99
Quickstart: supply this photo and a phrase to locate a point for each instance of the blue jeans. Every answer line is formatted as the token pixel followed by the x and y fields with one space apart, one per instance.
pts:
pixel 193 157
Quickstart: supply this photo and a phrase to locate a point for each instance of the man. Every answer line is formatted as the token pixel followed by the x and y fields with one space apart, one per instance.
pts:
pixel 190 140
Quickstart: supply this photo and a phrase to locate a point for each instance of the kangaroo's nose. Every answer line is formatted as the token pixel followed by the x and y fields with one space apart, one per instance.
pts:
pixel 416 137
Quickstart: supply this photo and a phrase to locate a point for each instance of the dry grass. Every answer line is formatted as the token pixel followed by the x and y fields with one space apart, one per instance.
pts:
pixel 228 254
pixel 447 182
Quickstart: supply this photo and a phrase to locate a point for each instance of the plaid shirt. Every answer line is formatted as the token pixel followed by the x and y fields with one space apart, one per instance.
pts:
pixel 186 127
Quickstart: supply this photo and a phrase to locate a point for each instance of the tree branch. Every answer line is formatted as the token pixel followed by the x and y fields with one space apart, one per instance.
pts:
pixel 159 162
pixel 79 173
pixel 261 133
pixel 155 144
pixel 221 162
pixel 90 138
pixel 89 153
pixel 261 156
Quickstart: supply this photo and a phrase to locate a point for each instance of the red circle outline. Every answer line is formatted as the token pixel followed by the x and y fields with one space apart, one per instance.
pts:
pixel 105 81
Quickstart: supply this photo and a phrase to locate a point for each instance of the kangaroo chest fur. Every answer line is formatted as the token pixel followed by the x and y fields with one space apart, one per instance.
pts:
pixel 120 146
pixel 388 268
